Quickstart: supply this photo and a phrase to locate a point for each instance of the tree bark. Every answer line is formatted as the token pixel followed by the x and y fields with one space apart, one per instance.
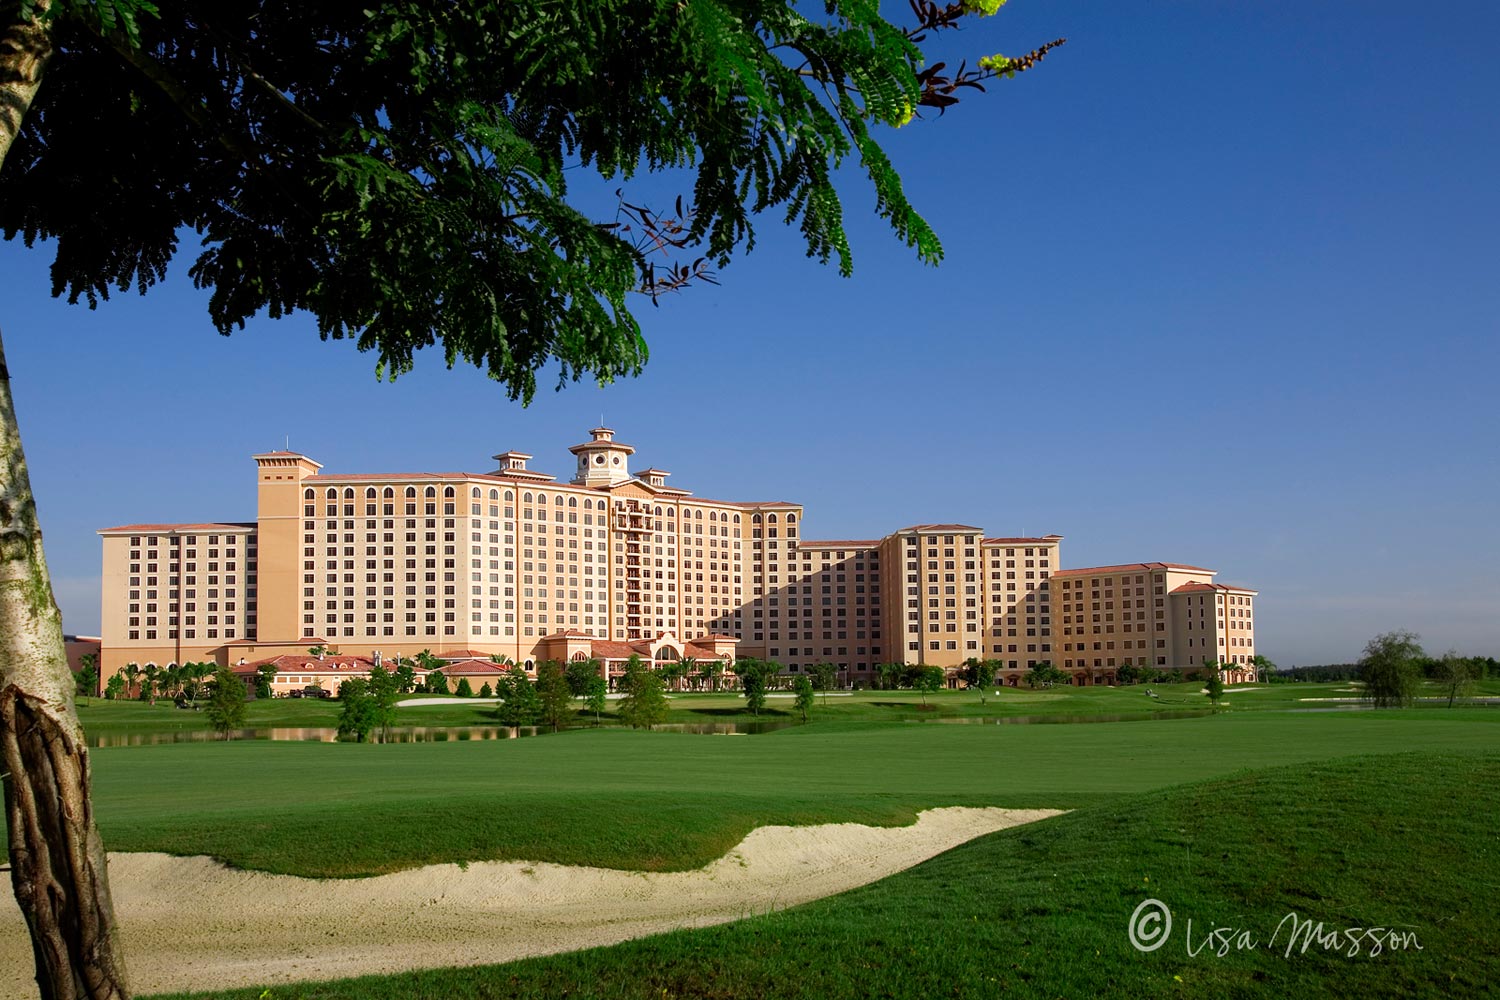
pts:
pixel 58 865
pixel 25 48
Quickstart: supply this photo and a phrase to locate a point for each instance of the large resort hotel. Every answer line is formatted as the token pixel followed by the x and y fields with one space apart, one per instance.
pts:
pixel 612 564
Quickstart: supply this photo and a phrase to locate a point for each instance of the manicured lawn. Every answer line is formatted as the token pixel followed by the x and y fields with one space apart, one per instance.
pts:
pixel 662 801
pixel 1401 841
pixel 129 719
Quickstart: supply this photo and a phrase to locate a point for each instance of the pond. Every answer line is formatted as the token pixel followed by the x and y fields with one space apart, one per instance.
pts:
pixel 403 734
pixel 1058 718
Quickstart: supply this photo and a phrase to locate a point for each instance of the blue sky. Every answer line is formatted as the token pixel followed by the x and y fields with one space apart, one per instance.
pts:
pixel 1220 288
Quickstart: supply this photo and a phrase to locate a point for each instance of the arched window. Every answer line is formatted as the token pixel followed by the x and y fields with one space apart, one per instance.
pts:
pixel 309 494
pixel 430 492
pixel 558 500
pixel 658 510
pixel 770 518
pixel 791 519
pixel 755 519
pixel 580 656
pixel 509 495
pixel 572 501
pixel 448 493
pixel 411 492
pixel 736 519
pixel 332 493
pixel 495 495
pixel 349 493
pixel 667 653
pixel 389 493
pixel 526 497
pixel 369 493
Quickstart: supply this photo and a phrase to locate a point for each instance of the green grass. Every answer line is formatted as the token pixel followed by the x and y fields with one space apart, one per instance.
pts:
pixel 128 719
pixel 660 801
pixel 1402 840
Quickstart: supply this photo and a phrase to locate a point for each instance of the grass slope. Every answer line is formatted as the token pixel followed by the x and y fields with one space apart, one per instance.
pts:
pixel 665 801
pixel 1041 911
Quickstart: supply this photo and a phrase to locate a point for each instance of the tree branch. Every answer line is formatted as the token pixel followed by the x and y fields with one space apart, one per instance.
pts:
pixel 191 107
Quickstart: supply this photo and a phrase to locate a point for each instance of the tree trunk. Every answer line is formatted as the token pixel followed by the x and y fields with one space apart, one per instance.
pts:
pixel 24 50
pixel 58 865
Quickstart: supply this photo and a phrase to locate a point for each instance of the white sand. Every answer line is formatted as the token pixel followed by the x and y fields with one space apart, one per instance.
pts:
pixel 192 923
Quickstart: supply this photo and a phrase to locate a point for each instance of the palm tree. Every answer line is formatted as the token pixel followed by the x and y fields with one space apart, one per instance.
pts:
pixel 151 672
pixel 201 672
pixel 714 670
pixel 132 671
pixel 688 667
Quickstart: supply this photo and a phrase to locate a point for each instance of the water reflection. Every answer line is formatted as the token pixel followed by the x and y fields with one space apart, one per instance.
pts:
pixel 316 734
pixel 1032 720
pixel 403 734
pixel 444 734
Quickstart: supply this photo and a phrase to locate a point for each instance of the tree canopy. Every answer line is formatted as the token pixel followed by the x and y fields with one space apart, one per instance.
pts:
pixel 226 703
pixel 335 158
pixel 1391 669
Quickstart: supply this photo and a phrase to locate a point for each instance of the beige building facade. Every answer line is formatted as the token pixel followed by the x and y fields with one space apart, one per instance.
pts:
pixel 517 563
pixel 1152 614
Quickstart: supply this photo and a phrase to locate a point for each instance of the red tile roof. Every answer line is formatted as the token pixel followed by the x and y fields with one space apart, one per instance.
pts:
pixel 608 649
pixel 525 476
pixel 464 654
pixel 854 543
pixel 1195 587
pixel 229 526
pixel 1044 540
pixel 302 663
pixel 938 527
pixel 1132 568
pixel 472 668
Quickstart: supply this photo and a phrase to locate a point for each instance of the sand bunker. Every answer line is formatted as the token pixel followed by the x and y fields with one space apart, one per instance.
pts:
pixel 192 923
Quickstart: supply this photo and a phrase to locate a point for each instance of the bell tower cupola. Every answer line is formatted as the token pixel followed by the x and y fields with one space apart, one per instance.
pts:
pixel 602 461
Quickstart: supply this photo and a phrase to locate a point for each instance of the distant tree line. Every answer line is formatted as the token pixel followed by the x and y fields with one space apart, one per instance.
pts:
pixel 1427 666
